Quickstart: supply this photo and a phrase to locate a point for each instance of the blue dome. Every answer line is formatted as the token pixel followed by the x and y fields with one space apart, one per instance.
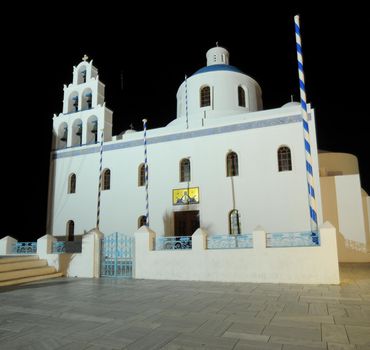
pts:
pixel 216 67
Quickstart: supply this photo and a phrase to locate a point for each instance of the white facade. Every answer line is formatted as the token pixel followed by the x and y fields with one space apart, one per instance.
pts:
pixel 263 195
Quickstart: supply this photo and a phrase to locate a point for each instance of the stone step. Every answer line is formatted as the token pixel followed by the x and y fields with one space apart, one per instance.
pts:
pixel 17 258
pixel 30 279
pixel 12 275
pixel 23 265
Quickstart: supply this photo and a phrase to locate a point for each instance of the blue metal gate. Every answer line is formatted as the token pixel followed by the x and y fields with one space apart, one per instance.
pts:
pixel 117 255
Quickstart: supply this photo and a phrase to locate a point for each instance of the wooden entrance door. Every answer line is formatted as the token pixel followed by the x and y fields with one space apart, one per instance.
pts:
pixel 186 222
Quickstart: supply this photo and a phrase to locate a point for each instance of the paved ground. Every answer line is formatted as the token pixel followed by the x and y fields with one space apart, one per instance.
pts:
pixel 147 314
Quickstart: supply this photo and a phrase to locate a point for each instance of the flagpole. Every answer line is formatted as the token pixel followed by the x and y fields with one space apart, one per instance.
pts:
pixel 306 130
pixel 186 102
pixel 146 174
pixel 100 179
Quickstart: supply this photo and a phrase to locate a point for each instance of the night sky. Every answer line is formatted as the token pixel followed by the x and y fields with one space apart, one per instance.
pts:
pixel 152 54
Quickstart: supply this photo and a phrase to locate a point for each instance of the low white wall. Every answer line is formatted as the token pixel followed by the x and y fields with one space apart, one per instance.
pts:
pixel 318 265
pixel 84 264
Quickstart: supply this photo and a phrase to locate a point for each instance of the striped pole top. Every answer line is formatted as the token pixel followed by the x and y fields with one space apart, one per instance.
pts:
pixel 186 102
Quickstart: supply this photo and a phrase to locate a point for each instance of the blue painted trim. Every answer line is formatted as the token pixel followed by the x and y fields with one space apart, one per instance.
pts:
pixel 312 191
pixel 307 146
pixel 182 136
pixel 304 105
pixel 305 125
pixel 299 48
pixel 297 30
pixel 309 167
pixel 218 67
pixel 313 215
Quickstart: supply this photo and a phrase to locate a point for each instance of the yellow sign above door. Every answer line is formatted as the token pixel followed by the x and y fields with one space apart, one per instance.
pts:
pixel 182 196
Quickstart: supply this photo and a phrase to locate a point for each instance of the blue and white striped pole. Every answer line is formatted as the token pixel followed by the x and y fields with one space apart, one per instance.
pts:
pixel 186 102
pixel 306 130
pixel 100 179
pixel 146 175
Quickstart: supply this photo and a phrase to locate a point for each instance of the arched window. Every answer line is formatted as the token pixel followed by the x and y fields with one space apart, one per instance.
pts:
pixel 91 130
pixel 234 222
pixel 86 102
pixel 72 183
pixel 185 170
pixel 62 136
pixel 79 133
pixel 241 96
pixel 70 230
pixel 141 221
pixel 205 96
pixel 142 174
pixel 106 179
pixel 77 130
pixel 284 158
pixel 75 103
pixel 232 164
pixel 81 77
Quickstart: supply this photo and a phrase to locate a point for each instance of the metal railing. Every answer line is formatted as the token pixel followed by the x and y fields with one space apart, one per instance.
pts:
pixel 230 241
pixel 173 242
pixel 61 247
pixel 292 239
pixel 24 248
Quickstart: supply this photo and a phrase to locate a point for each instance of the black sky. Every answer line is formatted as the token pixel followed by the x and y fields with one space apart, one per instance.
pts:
pixel 153 52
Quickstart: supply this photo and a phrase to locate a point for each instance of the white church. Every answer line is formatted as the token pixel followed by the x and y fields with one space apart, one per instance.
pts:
pixel 224 164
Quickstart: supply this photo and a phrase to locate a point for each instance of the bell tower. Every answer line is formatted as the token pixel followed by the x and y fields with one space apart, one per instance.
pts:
pixel 84 115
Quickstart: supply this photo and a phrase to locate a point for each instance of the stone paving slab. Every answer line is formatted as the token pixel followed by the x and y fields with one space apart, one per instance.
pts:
pixel 359 335
pixel 334 333
pixel 336 346
pixel 147 314
pixel 255 345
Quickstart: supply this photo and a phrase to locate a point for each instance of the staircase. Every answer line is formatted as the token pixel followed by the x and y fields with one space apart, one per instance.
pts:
pixel 24 269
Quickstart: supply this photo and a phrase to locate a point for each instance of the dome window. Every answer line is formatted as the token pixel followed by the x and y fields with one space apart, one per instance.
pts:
pixel 241 96
pixel 205 96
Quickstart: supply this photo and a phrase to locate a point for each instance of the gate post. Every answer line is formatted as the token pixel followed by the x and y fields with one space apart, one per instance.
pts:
pixel 6 245
pixel 97 236
pixel 144 244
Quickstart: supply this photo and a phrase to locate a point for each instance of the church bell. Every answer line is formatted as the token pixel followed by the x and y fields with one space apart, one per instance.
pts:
pixel 94 128
pixel 65 135
pixel 79 130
